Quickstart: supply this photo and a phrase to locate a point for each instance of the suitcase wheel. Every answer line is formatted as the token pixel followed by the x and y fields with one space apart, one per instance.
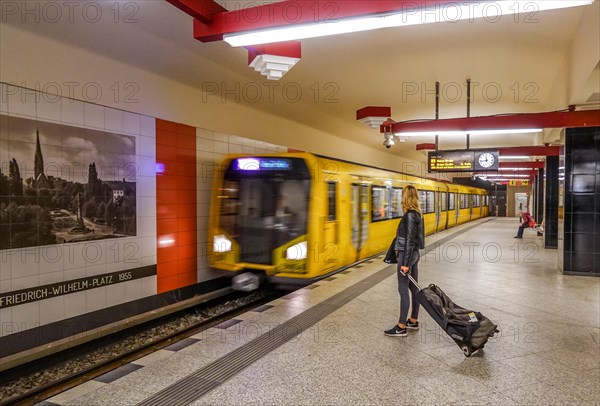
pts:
pixel 466 350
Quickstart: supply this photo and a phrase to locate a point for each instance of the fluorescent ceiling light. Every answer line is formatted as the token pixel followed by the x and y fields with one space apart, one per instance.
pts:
pixel 504 175
pixel 463 133
pixel 452 12
pixel 514 157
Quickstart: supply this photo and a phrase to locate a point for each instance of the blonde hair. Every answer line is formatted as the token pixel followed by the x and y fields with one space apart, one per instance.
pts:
pixel 410 199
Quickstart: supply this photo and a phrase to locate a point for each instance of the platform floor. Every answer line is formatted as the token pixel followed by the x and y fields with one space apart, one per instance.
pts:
pixel 548 351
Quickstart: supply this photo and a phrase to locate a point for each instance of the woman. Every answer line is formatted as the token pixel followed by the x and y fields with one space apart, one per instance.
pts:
pixel 410 238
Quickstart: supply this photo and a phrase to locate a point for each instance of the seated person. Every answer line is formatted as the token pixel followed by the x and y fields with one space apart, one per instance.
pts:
pixel 527 221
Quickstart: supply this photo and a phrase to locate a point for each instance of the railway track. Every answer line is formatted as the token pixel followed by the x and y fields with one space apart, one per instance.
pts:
pixel 41 379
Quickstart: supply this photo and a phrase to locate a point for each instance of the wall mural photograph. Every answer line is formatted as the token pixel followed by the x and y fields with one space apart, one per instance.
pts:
pixel 61 184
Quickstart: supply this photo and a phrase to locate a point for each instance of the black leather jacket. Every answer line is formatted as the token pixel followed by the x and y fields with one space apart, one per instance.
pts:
pixel 410 235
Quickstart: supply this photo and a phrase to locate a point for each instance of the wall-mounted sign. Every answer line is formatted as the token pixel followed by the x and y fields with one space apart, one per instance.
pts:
pixel 463 161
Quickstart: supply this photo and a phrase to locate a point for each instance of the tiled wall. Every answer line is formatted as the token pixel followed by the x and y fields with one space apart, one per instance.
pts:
pixel 551 202
pixel 31 267
pixel 172 166
pixel 581 254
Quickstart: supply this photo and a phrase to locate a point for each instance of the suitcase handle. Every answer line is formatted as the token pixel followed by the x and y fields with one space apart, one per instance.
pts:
pixel 413 281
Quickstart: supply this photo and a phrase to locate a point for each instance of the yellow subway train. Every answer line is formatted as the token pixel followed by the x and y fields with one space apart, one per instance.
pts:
pixel 298 217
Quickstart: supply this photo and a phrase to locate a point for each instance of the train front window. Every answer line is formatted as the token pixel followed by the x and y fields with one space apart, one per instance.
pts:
pixel 269 206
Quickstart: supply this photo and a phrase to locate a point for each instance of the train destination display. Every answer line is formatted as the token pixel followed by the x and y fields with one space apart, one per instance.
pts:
pixel 463 161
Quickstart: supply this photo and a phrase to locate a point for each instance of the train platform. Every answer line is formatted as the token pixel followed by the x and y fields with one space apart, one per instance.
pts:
pixel 324 344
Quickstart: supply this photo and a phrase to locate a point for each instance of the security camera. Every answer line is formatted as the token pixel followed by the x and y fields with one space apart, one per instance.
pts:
pixel 389 140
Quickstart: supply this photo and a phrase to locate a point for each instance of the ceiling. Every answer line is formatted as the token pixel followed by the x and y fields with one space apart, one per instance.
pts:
pixel 515 67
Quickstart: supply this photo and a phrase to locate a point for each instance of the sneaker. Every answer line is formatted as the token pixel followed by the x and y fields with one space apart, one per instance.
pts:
pixel 516 236
pixel 412 326
pixel 396 332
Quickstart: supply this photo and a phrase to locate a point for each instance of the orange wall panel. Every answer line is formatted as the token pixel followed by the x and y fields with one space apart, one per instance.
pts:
pixel 176 206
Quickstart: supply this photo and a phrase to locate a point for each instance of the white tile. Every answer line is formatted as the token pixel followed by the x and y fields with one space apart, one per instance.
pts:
pixel 147 206
pixel 148 126
pixel 3 98
pixel 6 325
pixel 52 258
pixel 148 286
pixel 6 286
pixel 202 222
pixel 205 145
pixel 115 294
pixel 148 246
pixel 49 108
pixel 114 120
pixel 235 139
pixel 21 102
pixel 5 265
pixel 114 265
pixel 73 258
pixel 95 270
pixel 75 304
pixel 72 111
pixel 93 116
pixel 205 133
pixel 147 261
pixel 147 186
pixel 52 310
pixel 249 142
pixel 221 137
pixel 27 315
pixel 51 277
pixel 131 123
pixel 221 147
pixel 133 289
pixel 147 146
pixel 248 150
pixel 203 197
pixel 147 166
pixel 76 273
pixel 94 253
pixel 25 261
pixel 95 299
pixel 147 226
pixel 236 149
pixel 25 282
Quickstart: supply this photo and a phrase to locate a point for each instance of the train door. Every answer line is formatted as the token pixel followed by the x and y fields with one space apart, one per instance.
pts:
pixel 457 206
pixel 438 210
pixel 470 197
pixel 359 216
pixel 329 249
pixel 445 210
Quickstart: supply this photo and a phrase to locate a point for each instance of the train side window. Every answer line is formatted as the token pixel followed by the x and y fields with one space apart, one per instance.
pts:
pixel 451 205
pixel 422 200
pixel 444 200
pixel 396 203
pixel 379 203
pixel 331 195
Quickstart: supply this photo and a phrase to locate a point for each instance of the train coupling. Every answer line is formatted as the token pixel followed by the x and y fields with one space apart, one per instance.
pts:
pixel 246 282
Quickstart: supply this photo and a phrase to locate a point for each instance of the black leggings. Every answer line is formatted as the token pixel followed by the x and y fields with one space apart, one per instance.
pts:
pixel 404 285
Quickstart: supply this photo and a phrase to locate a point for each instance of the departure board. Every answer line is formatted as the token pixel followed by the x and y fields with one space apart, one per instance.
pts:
pixel 450 161
pixel 463 161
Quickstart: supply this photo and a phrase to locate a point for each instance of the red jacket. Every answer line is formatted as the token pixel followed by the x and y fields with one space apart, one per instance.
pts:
pixel 527 219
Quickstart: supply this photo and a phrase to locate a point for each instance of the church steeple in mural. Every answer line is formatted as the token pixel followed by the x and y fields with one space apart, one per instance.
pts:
pixel 39 159
pixel 40 181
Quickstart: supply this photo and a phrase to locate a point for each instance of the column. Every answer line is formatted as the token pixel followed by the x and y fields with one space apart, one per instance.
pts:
pixel 581 255
pixel 551 203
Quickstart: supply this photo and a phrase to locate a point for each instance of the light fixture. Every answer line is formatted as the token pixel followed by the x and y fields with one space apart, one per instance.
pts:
pixel 514 157
pixel 373 116
pixel 389 140
pixel 407 15
pixel 474 132
pixel 503 175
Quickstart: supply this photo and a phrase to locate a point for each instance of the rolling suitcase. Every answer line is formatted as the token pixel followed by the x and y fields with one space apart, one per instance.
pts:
pixel 470 330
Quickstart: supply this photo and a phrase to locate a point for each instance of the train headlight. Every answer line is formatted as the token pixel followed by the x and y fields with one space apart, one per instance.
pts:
pixel 297 251
pixel 221 243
